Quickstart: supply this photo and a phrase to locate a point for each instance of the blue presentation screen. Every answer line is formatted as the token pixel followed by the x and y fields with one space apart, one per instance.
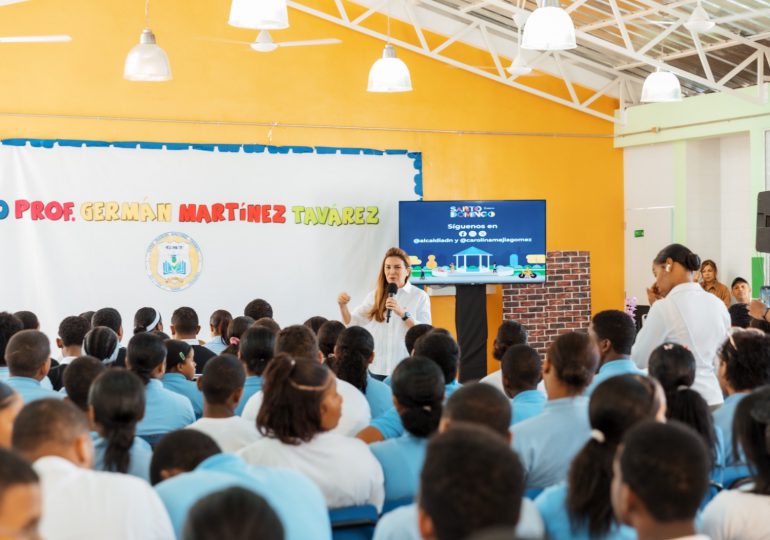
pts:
pixel 474 241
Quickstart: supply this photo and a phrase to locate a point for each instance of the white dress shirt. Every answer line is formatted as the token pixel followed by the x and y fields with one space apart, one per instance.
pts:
pixel 343 468
pixel 389 346
pixel 495 379
pixel 356 413
pixel 736 514
pixel 231 434
pixel 80 504
pixel 689 316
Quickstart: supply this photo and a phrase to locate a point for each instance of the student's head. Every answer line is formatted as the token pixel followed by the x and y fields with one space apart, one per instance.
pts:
pixel 353 354
pixel 78 377
pixel 570 363
pixel 744 361
pixel 461 492
pixel 327 337
pixel 760 324
pixel 257 309
pixel 314 323
pixel 751 431
pixel 28 319
pixel 509 333
pixel 232 514
pixel 88 315
pixel 110 318
pixel 28 354
pixel 616 405
pixel 53 427
pixel 72 331
pixel 268 322
pixel 146 356
pixel 115 406
pixel 180 452
pixel 147 319
pixel 415 333
pixel 708 271
pixel 300 400
pixel 741 290
pixel 299 342
pixel 235 330
pixel 739 316
pixel 660 475
pixel 418 393
pixel 103 343
pixel 479 404
pixel 218 323
pixel 10 405
pixel 184 323
pixel 180 358
pixel 674 264
pixel 522 369
pixel 256 349
pixel 442 348
pixel 614 332
pixel 9 325
pixel 21 501
pixel 222 381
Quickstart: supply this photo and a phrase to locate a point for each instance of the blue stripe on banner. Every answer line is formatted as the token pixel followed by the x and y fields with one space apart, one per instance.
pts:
pixel 416 157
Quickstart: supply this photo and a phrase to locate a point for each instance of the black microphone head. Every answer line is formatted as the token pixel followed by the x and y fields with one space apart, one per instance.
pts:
pixel 392 288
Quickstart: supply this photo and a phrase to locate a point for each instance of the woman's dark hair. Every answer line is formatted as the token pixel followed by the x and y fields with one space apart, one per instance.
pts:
pixel 117 399
pixel 746 356
pixel 616 405
pixel 679 254
pixel 292 395
pixel 760 324
pixel 9 325
pixel 327 338
pixel 100 342
pixel 674 367
pixel 712 264
pixel 220 320
pixel 418 385
pixel 355 346
pixel 256 348
pixel 176 352
pixel 509 333
pixel 233 514
pixel 751 427
pixel 145 352
pixel 235 330
pixel 144 318
pixel 575 358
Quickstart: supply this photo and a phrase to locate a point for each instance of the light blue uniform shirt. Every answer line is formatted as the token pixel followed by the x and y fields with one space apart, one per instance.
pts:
pixel 723 419
pixel 547 443
pixel 552 505
pixel 398 524
pixel 176 382
pixel 140 457
pixel 4 373
pixel 30 389
pixel 252 385
pixel 527 404
pixel 401 461
pixel 164 410
pixel 613 368
pixel 297 501
pixel 216 345
pixel 379 395
pixel 389 423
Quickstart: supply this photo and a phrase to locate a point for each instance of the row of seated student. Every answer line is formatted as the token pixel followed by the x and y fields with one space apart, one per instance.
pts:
pixel 305 405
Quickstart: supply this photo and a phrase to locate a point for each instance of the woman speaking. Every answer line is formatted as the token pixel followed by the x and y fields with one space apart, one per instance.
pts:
pixel 389 311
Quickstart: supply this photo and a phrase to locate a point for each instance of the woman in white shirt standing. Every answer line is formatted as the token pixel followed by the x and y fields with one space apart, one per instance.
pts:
pixel 409 306
pixel 682 312
pixel 300 408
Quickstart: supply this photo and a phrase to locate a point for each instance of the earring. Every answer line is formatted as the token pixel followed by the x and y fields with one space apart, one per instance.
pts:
pixel 668 268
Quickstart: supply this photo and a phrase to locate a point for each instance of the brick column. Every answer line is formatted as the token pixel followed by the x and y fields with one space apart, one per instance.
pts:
pixel 560 304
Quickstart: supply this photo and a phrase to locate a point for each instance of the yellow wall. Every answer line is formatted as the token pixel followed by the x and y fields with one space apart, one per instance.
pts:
pixel 581 178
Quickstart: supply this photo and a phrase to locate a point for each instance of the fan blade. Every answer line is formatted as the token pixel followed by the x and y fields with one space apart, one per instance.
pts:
pixel 222 40
pixel 36 39
pixel 329 41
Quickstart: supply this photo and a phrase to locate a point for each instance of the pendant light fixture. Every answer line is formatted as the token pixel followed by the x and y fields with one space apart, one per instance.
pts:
pixel 259 14
pixel 699 20
pixel 146 61
pixel 661 86
pixel 389 74
pixel 549 28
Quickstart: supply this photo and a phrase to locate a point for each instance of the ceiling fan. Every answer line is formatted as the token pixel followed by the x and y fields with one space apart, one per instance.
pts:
pixel 264 42
pixel 56 38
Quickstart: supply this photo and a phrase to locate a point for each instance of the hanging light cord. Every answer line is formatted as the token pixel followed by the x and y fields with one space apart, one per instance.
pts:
pixel 147 13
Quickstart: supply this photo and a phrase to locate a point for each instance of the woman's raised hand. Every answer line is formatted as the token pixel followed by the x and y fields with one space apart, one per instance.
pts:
pixel 343 299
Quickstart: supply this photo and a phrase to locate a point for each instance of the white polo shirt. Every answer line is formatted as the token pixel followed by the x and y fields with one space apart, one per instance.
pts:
pixel 231 434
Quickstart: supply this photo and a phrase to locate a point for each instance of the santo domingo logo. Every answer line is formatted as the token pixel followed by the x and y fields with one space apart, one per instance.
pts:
pixel 173 261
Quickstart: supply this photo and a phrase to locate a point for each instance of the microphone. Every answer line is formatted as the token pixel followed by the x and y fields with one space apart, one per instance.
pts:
pixel 392 290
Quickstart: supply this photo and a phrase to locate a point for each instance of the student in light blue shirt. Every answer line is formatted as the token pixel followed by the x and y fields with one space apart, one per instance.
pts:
pixel 547 443
pixel 204 470
pixel 614 332
pixel 180 373
pixel 521 369
pixel 581 509
pixel 9 325
pixel 164 410
pixel 218 323
pixel 28 355
pixel 255 349
pixel 418 393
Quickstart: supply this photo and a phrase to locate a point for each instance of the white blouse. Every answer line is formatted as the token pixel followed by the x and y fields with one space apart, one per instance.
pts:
pixel 231 434
pixel 737 515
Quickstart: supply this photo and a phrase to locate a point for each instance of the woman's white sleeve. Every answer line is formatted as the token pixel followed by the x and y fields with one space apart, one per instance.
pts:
pixel 360 315
pixel 652 334
pixel 422 313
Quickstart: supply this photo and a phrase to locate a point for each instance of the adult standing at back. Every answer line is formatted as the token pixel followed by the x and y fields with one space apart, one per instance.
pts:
pixel 386 316
pixel 682 312
pixel 710 283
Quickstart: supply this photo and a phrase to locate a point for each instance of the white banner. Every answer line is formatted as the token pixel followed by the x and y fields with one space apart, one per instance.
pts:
pixel 206 226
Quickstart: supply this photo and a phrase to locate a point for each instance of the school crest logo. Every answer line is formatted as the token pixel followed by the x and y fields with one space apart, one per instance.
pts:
pixel 173 261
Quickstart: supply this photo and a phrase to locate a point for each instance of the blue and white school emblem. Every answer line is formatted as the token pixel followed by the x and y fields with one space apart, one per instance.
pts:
pixel 173 261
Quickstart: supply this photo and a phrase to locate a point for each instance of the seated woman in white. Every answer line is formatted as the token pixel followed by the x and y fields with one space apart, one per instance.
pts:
pixel 301 406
